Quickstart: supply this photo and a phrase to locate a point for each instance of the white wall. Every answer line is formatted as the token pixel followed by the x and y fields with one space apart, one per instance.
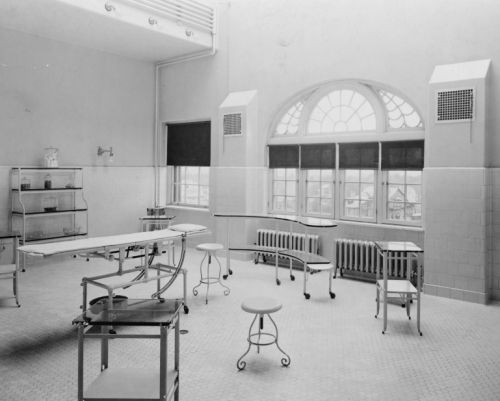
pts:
pixel 76 99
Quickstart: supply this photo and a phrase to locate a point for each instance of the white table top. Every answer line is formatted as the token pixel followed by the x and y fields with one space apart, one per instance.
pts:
pixel 305 221
pixel 397 246
pixel 104 243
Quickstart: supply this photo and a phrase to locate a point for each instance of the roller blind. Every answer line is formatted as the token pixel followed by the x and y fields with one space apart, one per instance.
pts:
pixel 320 156
pixel 358 155
pixel 284 156
pixel 188 144
pixel 403 155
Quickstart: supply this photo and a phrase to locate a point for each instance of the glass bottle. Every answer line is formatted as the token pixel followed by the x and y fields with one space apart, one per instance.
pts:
pixel 25 183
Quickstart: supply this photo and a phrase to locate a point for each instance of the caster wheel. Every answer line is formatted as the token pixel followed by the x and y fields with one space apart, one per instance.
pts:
pixel 18 306
pixel 421 334
pixel 383 332
pixel 162 300
pixel 112 332
pixel 292 277
pixel 409 317
pixel 230 272
pixel 307 295
pixel 403 305
pixel 332 295
pixel 278 282
pixel 255 262
pixel 376 316
pixel 186 309
pixel 224 276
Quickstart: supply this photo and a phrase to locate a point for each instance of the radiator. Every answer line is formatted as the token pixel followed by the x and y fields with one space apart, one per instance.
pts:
pixel 285 239
pixel 359 259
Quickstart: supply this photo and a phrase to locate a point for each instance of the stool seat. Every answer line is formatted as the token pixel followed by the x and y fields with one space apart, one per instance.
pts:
pixel 261 305
pixel 210 247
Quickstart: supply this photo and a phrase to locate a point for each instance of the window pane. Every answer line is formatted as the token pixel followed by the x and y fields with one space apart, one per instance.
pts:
pixel 291 188
pixel 327 190
pixel 396 193
pixel 279 173
pixel 192 194
pixel 291 204
pixel 414 193
pixel 414 212
pixel 291 174
pixel 367 191
pixel 367 208
pixel 395 211
pixel 352 175
pixel 327 175
pixel 367 176
pixel 279 203
pixel 313 205
pixel 351 191
pixel 313 175
pixel 204 175
pixel 414 177
pixel 279 187
pixel 191 175
pixel 313 189
pixel 204 196
pixel 396 177
pixel 327 206
pixel 351 208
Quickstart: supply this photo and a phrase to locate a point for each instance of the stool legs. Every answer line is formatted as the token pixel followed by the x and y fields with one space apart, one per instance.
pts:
pixel 210 279
pixel 258 339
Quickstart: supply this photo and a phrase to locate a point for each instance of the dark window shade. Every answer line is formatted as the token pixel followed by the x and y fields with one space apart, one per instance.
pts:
pixel 403 155
pixel 321 156
pixel 188 144
pixel 358 155
pixel 284 156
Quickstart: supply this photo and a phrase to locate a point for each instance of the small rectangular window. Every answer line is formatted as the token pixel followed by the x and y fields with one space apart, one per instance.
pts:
pixel 284 190
pixel 403 196
pixel 359 198
pixel 319 190
pixel 191 186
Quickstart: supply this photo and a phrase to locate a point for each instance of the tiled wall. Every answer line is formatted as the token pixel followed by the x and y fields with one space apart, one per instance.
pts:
pixel 456 224
pixel 494 229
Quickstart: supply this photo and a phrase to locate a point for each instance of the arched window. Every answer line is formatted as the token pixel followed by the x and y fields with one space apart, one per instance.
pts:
pixel 373 137
pixel 342 110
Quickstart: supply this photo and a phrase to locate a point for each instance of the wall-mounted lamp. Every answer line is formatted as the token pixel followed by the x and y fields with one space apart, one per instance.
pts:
pixel 101 151
pixel 109 7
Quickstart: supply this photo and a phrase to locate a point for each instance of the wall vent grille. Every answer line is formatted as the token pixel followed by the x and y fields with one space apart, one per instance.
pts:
pixel 232 124
pixel 455 105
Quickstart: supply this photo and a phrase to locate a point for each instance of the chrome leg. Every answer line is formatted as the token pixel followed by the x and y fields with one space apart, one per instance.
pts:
pixel 240 364
pixel 226 289
pixel 286 360
pixel 195 291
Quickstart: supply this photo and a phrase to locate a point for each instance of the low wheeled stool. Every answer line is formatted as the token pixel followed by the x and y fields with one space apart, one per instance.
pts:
pixel 262 306
pixel 210 249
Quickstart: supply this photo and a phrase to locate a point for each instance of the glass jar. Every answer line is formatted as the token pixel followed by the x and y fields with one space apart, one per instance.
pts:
pixel 25 183
pixel 50 158
pixel 49 204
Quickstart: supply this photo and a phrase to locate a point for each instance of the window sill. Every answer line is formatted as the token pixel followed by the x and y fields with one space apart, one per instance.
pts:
pixel 189 208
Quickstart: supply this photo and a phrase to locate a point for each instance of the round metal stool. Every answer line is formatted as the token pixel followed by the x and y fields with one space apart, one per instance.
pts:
pixel 207 279
pixel 262 306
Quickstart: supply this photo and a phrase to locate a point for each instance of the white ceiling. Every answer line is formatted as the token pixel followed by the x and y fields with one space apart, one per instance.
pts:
pixel 123 31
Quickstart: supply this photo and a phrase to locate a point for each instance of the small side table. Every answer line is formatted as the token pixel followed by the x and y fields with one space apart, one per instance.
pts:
pixel 127 383
pixel 11 271
pixel 399 289
pixel 262 306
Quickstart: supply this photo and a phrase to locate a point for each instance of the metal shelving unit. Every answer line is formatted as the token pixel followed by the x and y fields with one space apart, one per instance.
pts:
pixel 48 203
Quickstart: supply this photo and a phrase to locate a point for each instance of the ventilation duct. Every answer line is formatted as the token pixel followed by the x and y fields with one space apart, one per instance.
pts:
pixel 231 124
pixel 455 105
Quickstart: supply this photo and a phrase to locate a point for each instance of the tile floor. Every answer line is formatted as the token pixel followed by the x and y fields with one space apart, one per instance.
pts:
pixel 336 346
